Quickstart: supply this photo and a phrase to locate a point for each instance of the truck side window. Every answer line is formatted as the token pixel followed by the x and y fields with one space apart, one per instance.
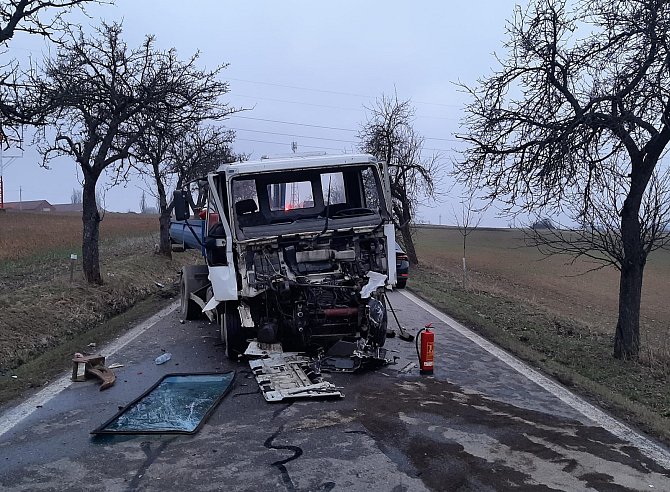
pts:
pixel 370 189
pixel 245 203
pixel 334 182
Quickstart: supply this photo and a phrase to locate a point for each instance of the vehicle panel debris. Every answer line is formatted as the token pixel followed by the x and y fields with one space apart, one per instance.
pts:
pixel 288 375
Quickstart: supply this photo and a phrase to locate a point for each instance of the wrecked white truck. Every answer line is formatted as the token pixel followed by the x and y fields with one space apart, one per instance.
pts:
pixel 298 251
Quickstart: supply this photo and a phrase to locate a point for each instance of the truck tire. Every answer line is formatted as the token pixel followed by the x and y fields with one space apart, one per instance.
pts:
pixel 191 281
pixel 232 332
pixel 378 332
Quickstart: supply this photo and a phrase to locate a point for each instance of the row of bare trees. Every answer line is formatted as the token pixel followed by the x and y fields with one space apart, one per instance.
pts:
pixel 573 125
pixel 113 109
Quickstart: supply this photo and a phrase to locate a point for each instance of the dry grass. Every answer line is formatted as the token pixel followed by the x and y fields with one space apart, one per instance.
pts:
pixel 499 263
pixel 41 310
pixel 23 235
pixel 545 312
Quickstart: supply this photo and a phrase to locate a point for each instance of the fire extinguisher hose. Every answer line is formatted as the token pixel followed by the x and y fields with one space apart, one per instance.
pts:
pixel 418 337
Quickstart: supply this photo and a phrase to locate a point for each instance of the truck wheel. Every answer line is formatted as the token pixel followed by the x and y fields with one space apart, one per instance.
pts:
pixel 378 328
pixel 232 333
pixel 190 282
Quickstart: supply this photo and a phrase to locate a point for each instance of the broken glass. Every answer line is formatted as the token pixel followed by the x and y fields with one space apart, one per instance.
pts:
pixel 178 403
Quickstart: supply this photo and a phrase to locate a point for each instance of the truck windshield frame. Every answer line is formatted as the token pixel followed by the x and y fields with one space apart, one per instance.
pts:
pixel 281 202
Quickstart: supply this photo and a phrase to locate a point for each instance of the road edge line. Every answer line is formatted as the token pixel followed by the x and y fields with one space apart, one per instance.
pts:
pixel 649 448
pixel 15 415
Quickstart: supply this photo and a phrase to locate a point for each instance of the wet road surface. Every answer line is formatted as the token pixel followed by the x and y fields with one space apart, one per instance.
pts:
pixel 479 423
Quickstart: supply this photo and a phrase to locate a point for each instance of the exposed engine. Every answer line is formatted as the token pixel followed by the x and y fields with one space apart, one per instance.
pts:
pixel 306 291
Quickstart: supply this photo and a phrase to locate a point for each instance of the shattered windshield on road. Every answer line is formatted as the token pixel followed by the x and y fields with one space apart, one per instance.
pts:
pixel 179 403
pixel 306 200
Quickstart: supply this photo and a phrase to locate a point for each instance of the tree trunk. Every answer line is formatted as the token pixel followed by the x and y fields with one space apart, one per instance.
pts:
pixel 408 242
pixel 165 247
pixel 627 338
pixel 91 234
pixel 404 217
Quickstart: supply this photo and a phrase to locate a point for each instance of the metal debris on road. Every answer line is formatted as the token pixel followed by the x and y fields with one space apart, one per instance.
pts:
pixel 86 366
pixel 350 356
pixel 284 375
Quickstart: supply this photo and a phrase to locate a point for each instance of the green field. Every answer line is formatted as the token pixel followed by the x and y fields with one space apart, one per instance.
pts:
pixel 550 313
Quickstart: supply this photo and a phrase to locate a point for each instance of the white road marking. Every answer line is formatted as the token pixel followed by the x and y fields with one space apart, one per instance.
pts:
pixel 17 414
pixel 652 450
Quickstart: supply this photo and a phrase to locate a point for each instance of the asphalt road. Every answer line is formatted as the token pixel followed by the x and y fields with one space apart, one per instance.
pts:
pixel 484 421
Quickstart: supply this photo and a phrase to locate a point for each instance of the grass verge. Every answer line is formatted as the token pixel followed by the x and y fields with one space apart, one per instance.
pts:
pixel 572 352
pixel 52 363
pixel 46 317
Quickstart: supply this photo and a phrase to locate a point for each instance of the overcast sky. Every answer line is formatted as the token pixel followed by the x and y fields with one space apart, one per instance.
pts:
pixel 306 69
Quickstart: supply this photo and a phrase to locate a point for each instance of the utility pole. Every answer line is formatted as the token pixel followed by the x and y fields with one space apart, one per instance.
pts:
pixel 295 196
pixel 440 219
pixel 5 161
pixel 20 198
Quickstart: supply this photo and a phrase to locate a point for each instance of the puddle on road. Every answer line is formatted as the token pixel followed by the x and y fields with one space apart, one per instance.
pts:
pixel 469 440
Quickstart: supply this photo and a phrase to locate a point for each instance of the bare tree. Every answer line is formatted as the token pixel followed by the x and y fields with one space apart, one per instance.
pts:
pixel 389 135
pixel 38 17
pixel 100 92
pixel 597 237
pixel 143 203
pixel 200 100
pixel 467 222
pixel 199 151
pixel 177 154
pixel 574 115
pixel 76 196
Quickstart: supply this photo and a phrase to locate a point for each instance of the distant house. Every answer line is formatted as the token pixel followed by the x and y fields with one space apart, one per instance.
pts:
pixel 68 207
pixel 30 206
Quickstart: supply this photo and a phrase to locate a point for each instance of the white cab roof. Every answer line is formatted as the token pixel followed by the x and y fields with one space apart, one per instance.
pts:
pixel 295 162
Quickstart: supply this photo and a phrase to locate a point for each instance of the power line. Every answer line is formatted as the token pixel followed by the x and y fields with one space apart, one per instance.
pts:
pixel 292 135
pixel 293 123
pixel 324 91
pixel 295 102
pixel 323 127
pixel 284 144
pixel 358 110
pixel 315 138
pixel 318 146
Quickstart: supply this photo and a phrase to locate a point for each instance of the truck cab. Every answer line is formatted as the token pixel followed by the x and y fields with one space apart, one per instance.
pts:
pixel 298 251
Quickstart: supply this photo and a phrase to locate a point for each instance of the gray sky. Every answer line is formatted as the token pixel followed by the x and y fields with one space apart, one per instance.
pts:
pixel 303 66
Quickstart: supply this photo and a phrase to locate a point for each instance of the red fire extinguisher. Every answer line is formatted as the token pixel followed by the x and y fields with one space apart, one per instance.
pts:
pixel 427 340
